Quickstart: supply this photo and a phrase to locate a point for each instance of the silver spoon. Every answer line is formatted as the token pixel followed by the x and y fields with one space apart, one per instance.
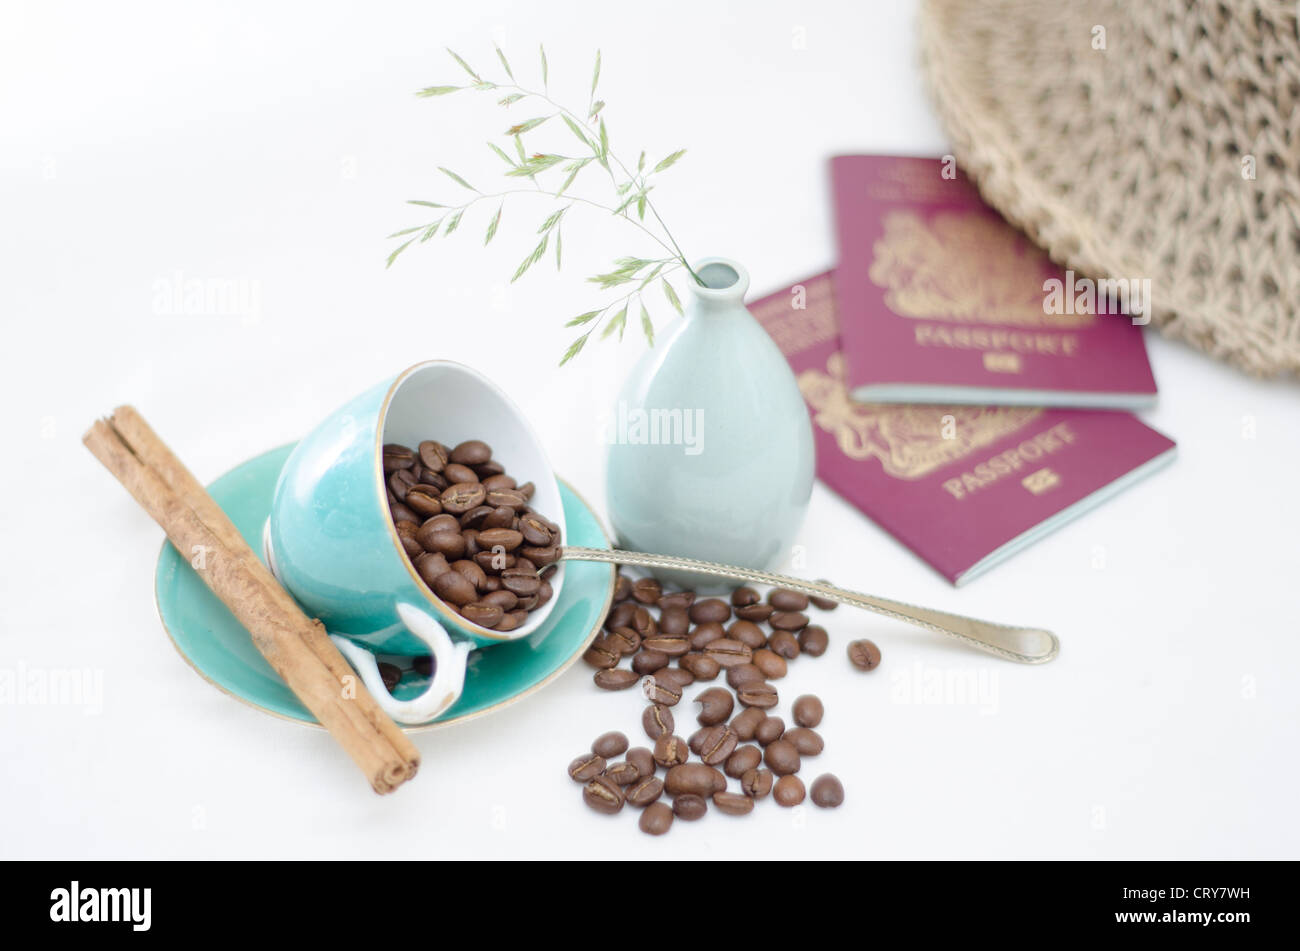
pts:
pixel 1024 645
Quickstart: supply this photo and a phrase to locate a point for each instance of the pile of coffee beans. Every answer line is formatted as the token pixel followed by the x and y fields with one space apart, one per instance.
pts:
pixel 470 532
pixel 742 752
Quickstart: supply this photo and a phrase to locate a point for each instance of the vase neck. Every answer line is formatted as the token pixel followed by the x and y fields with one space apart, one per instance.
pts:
pixel 724 285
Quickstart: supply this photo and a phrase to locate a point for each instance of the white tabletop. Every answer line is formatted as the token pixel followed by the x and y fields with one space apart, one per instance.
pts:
pixel 178 143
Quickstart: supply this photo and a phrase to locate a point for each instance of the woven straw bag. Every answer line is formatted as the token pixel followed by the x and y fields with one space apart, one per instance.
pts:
pixel 1145 139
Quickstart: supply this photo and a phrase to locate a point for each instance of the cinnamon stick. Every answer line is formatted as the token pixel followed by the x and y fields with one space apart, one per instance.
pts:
pixel 296 646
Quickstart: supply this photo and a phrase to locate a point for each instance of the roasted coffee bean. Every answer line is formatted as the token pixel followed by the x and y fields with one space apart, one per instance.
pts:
pixel 748 633
pixel 645 790
pixel 506 600
pixel 657 819
pixel 455 473
pixel 672 645
pixel 397 457
pixel 674 621
pixel 541 556
pixel 647 590
pixel 864 655
pixel 747 721
pixel 660 690
pixel 493 584
pixel 742 761
pixel 508 622
pixel 757 783
pixel 424 499
pixel 826 604
pixel 704 668
pixel 782 599
pixel 472 572
pixel 787 621
pixel 498 481
pixel 808 710
pixel 743 676
pixel 609 744
pixel 410 545
pixel 769 730
pixel 620 616
pixel 460 497
pixel 770 663
pixel 495 518
pixel 520 583
pixel 694 778
pixel 535 532
pixel 430 564
pixel 454 587
pixel 710 609
pixel 622 585
pixel 624 773
pixel 675 677
pixel 642 759
pixel 706 634
pixel 406 529
pixel 527 490
pixel 647 662
pixel 717 744
pixel 507 538
pixel 615 679
pixel 483 613
pixel 401 513
pixel 696 740
pixel 643 622
pixel 827 791
pixel 603 795
pixel 677 599
pixel 788 791
pixel 784 644
pixel 401 481
pixel 423 665
pixel 657 720
pixel 472 452
pixel 445 522
pixel 807 742
pixel 433 455
pixel 688 807
pixel 493 562
pixel 728 653
pixel 755 612
pixel 813 640
pixel 520 615
pixel 602 654
pixel 390 674
pixel 743 596
pixel 586 767
pixel 487 470
pixel 671 750
pixel 762 695
pixel 450 544
pixel 782 757
pixel 513 498
pixel 626 640
pixel 716 705
pixel 733 804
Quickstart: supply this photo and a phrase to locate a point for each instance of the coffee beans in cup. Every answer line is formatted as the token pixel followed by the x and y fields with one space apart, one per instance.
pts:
pixel 469 531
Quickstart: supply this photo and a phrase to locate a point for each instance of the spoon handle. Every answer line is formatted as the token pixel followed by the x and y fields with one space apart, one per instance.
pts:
pixel 1024 645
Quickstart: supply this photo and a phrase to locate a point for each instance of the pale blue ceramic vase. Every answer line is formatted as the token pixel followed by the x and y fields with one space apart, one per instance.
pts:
pixel 710 445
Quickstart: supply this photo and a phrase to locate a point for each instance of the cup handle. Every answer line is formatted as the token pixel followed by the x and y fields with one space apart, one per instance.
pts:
pixel 449 657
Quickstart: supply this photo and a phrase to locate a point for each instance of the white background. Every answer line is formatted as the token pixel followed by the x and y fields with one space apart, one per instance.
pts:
pixel 275 145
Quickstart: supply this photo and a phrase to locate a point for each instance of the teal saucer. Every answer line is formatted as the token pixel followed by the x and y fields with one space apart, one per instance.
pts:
pixel 219 648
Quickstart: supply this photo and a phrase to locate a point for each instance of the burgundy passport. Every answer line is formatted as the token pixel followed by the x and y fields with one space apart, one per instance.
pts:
pixel 942 301
pixel 963 486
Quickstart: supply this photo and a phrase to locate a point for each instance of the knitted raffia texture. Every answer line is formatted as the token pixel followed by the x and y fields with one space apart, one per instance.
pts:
pixel 1135 161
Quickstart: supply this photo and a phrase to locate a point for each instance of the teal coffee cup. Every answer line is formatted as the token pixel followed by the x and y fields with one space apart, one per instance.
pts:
pixel 330 538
